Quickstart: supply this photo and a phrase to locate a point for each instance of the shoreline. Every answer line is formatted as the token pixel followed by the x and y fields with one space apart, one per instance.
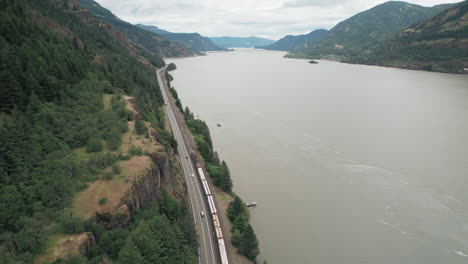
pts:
pixel 225 223
pixel 405 65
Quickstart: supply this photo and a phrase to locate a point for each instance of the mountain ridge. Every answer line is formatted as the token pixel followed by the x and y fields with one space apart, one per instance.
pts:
pixel 194 40
pixel 289 42
pixel 152 42
pixel 437 44
pixel 240 42
pixel 375 24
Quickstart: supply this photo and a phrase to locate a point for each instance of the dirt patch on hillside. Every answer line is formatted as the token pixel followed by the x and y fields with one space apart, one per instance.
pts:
pixel 130 104
pixel 106 99
pixel 87 203
pixel 66 245
pixel 146 143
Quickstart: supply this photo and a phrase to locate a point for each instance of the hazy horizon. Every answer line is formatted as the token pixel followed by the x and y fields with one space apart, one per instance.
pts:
pixel 271 19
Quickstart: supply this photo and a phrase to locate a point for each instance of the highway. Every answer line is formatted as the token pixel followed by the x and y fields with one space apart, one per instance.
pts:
pixel 207 241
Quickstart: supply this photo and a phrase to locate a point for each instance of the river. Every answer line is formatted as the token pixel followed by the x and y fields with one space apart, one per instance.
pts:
pixel 348 163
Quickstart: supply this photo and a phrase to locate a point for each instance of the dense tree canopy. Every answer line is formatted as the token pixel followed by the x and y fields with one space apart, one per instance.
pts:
pixel 55 69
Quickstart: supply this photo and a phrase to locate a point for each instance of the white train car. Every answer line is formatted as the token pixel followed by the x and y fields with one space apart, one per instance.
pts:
pixel 206 188
pixel 201 173
pixel 212 205
pixel 222 251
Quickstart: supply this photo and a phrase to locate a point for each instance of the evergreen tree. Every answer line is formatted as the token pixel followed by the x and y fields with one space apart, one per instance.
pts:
pixel 130 254
pixel 236 237
pixel 225 181
pixel 240 223
pixel 249 244
pixel 236 207
pixel 148 243
pixel 216 161
pixel 140 127
pixel 11 206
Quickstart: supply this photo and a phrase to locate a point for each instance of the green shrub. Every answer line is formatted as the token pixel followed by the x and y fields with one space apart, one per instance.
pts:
pixel 140 127
pixel 171 67
pixel 103 201
pixel 70 224
pixel 94 145
pixel 108 175
pixel 135 151
pixel 116 169
pixel 124 156
pixel 236 237
pixel 81 186
pixel 115 138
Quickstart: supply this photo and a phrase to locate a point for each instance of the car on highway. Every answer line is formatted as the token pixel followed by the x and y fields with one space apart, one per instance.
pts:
pixel 202 213
pixel 193 175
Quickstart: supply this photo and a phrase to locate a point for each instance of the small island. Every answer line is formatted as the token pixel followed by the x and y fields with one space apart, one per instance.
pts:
pixel 313 62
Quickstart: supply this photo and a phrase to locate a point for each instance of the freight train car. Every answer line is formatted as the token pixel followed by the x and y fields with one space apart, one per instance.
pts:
pixel 214 214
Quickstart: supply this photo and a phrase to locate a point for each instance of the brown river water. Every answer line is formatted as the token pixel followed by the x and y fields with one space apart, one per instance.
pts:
pixel 348 163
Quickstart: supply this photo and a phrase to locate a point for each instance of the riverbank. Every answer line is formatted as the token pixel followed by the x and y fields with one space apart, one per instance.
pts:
pixel 455 67
pixel 222 198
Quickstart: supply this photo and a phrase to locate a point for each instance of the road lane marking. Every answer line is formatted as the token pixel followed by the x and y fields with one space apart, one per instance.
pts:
pixel 198 191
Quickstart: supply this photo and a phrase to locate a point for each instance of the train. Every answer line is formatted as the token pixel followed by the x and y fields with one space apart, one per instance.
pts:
pixel 213 213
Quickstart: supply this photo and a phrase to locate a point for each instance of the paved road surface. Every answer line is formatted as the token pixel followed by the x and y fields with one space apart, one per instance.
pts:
pixel 208 245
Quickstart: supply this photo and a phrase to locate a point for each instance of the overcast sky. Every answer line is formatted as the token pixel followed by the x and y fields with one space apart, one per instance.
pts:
pixel 264 18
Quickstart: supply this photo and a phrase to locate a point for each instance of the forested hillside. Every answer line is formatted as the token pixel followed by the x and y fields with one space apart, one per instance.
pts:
pixel 240 42
pixel 356 34
pixel 438 44
pixel 194 41
pixel 155 43
pixel 79 114
pixel 291 42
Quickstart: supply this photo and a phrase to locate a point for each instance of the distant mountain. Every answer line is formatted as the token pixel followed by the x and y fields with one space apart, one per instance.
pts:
pixel 376 24
pixel 152 42
pixel 290 42
pixel 192 40
pixel 241 42
pixel 438 44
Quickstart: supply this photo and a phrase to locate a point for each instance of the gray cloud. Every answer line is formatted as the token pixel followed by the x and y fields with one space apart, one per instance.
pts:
pixel 308 3
pixel 265 18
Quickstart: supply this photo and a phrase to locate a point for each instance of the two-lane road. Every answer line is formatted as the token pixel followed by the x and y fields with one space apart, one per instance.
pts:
pixel 207 242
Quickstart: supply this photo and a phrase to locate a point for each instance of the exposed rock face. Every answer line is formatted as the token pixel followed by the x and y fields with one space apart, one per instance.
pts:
pixel 148 187
pixel 70 245
pixel 85 242
pixel 120 218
